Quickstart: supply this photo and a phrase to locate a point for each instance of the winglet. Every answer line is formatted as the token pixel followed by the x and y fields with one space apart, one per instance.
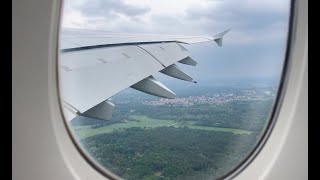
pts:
pixel 219 37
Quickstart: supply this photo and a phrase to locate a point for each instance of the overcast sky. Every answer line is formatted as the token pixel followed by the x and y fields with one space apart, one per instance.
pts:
pixel 254 48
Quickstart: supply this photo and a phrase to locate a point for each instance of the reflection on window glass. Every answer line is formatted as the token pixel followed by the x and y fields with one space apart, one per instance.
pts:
pixel 149 94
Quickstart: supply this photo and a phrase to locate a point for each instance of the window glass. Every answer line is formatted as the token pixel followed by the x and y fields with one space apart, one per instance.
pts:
pixel 203 126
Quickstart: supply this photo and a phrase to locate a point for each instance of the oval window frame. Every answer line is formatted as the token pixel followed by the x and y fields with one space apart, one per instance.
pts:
pixel 264 135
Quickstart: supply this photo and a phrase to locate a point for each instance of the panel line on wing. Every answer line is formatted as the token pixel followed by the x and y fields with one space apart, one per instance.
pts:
pixel 113 45
pixel 70 107
pixel 172 53
pixel 151 55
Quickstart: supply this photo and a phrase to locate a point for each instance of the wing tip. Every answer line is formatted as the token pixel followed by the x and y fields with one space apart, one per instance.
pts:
pixel 218 38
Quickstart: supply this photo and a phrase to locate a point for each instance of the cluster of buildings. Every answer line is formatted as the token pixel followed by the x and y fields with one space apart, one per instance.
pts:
pixel 211 98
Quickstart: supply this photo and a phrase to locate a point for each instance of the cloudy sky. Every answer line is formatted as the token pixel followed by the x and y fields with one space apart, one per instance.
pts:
pixel 254 48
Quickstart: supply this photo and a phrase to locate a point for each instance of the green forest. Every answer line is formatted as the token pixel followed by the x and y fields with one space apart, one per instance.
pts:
pixel 168 152
pixel 202 141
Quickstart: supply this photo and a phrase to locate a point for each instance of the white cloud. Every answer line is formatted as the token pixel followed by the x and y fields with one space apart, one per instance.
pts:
pixel 256 24
pixel 73 19
pixel 252 21
pixel 269 5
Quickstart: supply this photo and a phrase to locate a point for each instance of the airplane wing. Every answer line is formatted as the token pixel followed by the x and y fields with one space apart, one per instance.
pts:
pixel 95 65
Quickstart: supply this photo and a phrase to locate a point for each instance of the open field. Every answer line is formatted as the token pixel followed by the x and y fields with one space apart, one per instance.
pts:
pixel 146 122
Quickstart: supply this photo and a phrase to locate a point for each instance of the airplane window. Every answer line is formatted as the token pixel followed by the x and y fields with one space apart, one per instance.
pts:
pixel 179 89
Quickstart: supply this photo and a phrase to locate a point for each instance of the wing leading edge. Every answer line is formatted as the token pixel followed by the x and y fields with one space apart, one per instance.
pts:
pixel 92 70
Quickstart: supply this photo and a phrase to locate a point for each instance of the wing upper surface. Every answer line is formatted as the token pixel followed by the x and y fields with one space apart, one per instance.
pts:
pixel 76 38
pixel 95 65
